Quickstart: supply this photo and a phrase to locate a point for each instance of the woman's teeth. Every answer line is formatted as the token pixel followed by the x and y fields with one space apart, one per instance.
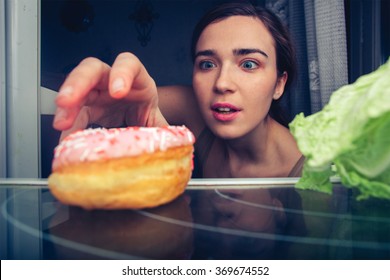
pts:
pixel 224 110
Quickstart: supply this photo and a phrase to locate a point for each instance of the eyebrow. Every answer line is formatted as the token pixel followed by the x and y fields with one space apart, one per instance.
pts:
pixel 236 52
pixel 205 53
pixel 249 51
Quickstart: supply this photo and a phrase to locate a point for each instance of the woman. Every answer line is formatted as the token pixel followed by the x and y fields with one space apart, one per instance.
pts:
pixel 243 62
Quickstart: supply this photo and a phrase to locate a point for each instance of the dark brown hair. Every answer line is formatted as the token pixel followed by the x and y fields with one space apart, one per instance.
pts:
pixel 285 50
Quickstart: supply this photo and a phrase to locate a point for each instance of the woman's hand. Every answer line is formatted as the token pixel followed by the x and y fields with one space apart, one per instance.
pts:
pixel 95 93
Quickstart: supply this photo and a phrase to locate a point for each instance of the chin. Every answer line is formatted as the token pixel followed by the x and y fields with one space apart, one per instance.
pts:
pixel 227 132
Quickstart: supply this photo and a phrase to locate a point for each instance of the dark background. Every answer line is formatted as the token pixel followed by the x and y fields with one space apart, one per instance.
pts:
pixel 159 33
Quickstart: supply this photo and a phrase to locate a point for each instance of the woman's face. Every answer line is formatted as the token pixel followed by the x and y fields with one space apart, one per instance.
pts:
pixel 235 75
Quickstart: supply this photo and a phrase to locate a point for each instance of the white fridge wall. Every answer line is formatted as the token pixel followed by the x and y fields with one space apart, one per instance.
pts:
pixel 22 32
pixel 3 142
pixel 20 112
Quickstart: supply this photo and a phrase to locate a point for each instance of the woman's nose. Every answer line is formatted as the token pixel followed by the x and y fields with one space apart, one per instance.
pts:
pixel 224 82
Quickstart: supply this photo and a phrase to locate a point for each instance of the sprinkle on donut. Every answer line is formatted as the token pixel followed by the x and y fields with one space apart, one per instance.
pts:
pixel 99 144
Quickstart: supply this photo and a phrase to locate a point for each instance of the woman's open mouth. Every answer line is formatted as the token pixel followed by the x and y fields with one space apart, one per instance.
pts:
pixel 225 111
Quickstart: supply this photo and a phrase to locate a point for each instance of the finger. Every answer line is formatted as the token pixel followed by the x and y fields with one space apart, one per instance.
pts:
pixel 64 118
pixel 90 74
pixel 81 122
pixel 128 73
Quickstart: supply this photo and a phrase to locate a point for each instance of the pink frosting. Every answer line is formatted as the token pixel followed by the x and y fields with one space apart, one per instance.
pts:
pixel 98 144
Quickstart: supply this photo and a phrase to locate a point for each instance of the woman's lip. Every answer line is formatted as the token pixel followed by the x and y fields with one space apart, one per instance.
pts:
pixel 215 106
pixel 225 116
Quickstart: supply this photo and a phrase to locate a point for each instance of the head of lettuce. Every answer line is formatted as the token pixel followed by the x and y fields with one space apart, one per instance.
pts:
pixel 349 138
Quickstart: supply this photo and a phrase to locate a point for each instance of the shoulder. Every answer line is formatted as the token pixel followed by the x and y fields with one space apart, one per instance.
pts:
pixel 288 151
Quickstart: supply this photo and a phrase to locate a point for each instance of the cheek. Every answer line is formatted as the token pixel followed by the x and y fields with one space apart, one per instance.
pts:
pixel 261 105
pixel 260 94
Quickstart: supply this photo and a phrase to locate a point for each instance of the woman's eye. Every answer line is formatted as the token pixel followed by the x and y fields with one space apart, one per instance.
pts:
pixel 249 64
pixel 206 65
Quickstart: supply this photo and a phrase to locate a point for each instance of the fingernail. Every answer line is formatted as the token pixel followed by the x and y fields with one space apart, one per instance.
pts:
pixel 66 91
pixel 60 115
pixel 118 85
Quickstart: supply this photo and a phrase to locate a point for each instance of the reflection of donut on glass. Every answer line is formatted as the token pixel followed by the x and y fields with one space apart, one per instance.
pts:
pixel 105 234
pixel 248 221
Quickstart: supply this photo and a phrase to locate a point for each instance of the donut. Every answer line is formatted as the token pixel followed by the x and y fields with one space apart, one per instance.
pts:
pixel 122 168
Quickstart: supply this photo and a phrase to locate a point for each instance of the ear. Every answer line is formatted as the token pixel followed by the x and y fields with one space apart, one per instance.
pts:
pixel 280 84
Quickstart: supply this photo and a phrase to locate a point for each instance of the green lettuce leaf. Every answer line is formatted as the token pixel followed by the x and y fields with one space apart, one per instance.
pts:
pixel 352 134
